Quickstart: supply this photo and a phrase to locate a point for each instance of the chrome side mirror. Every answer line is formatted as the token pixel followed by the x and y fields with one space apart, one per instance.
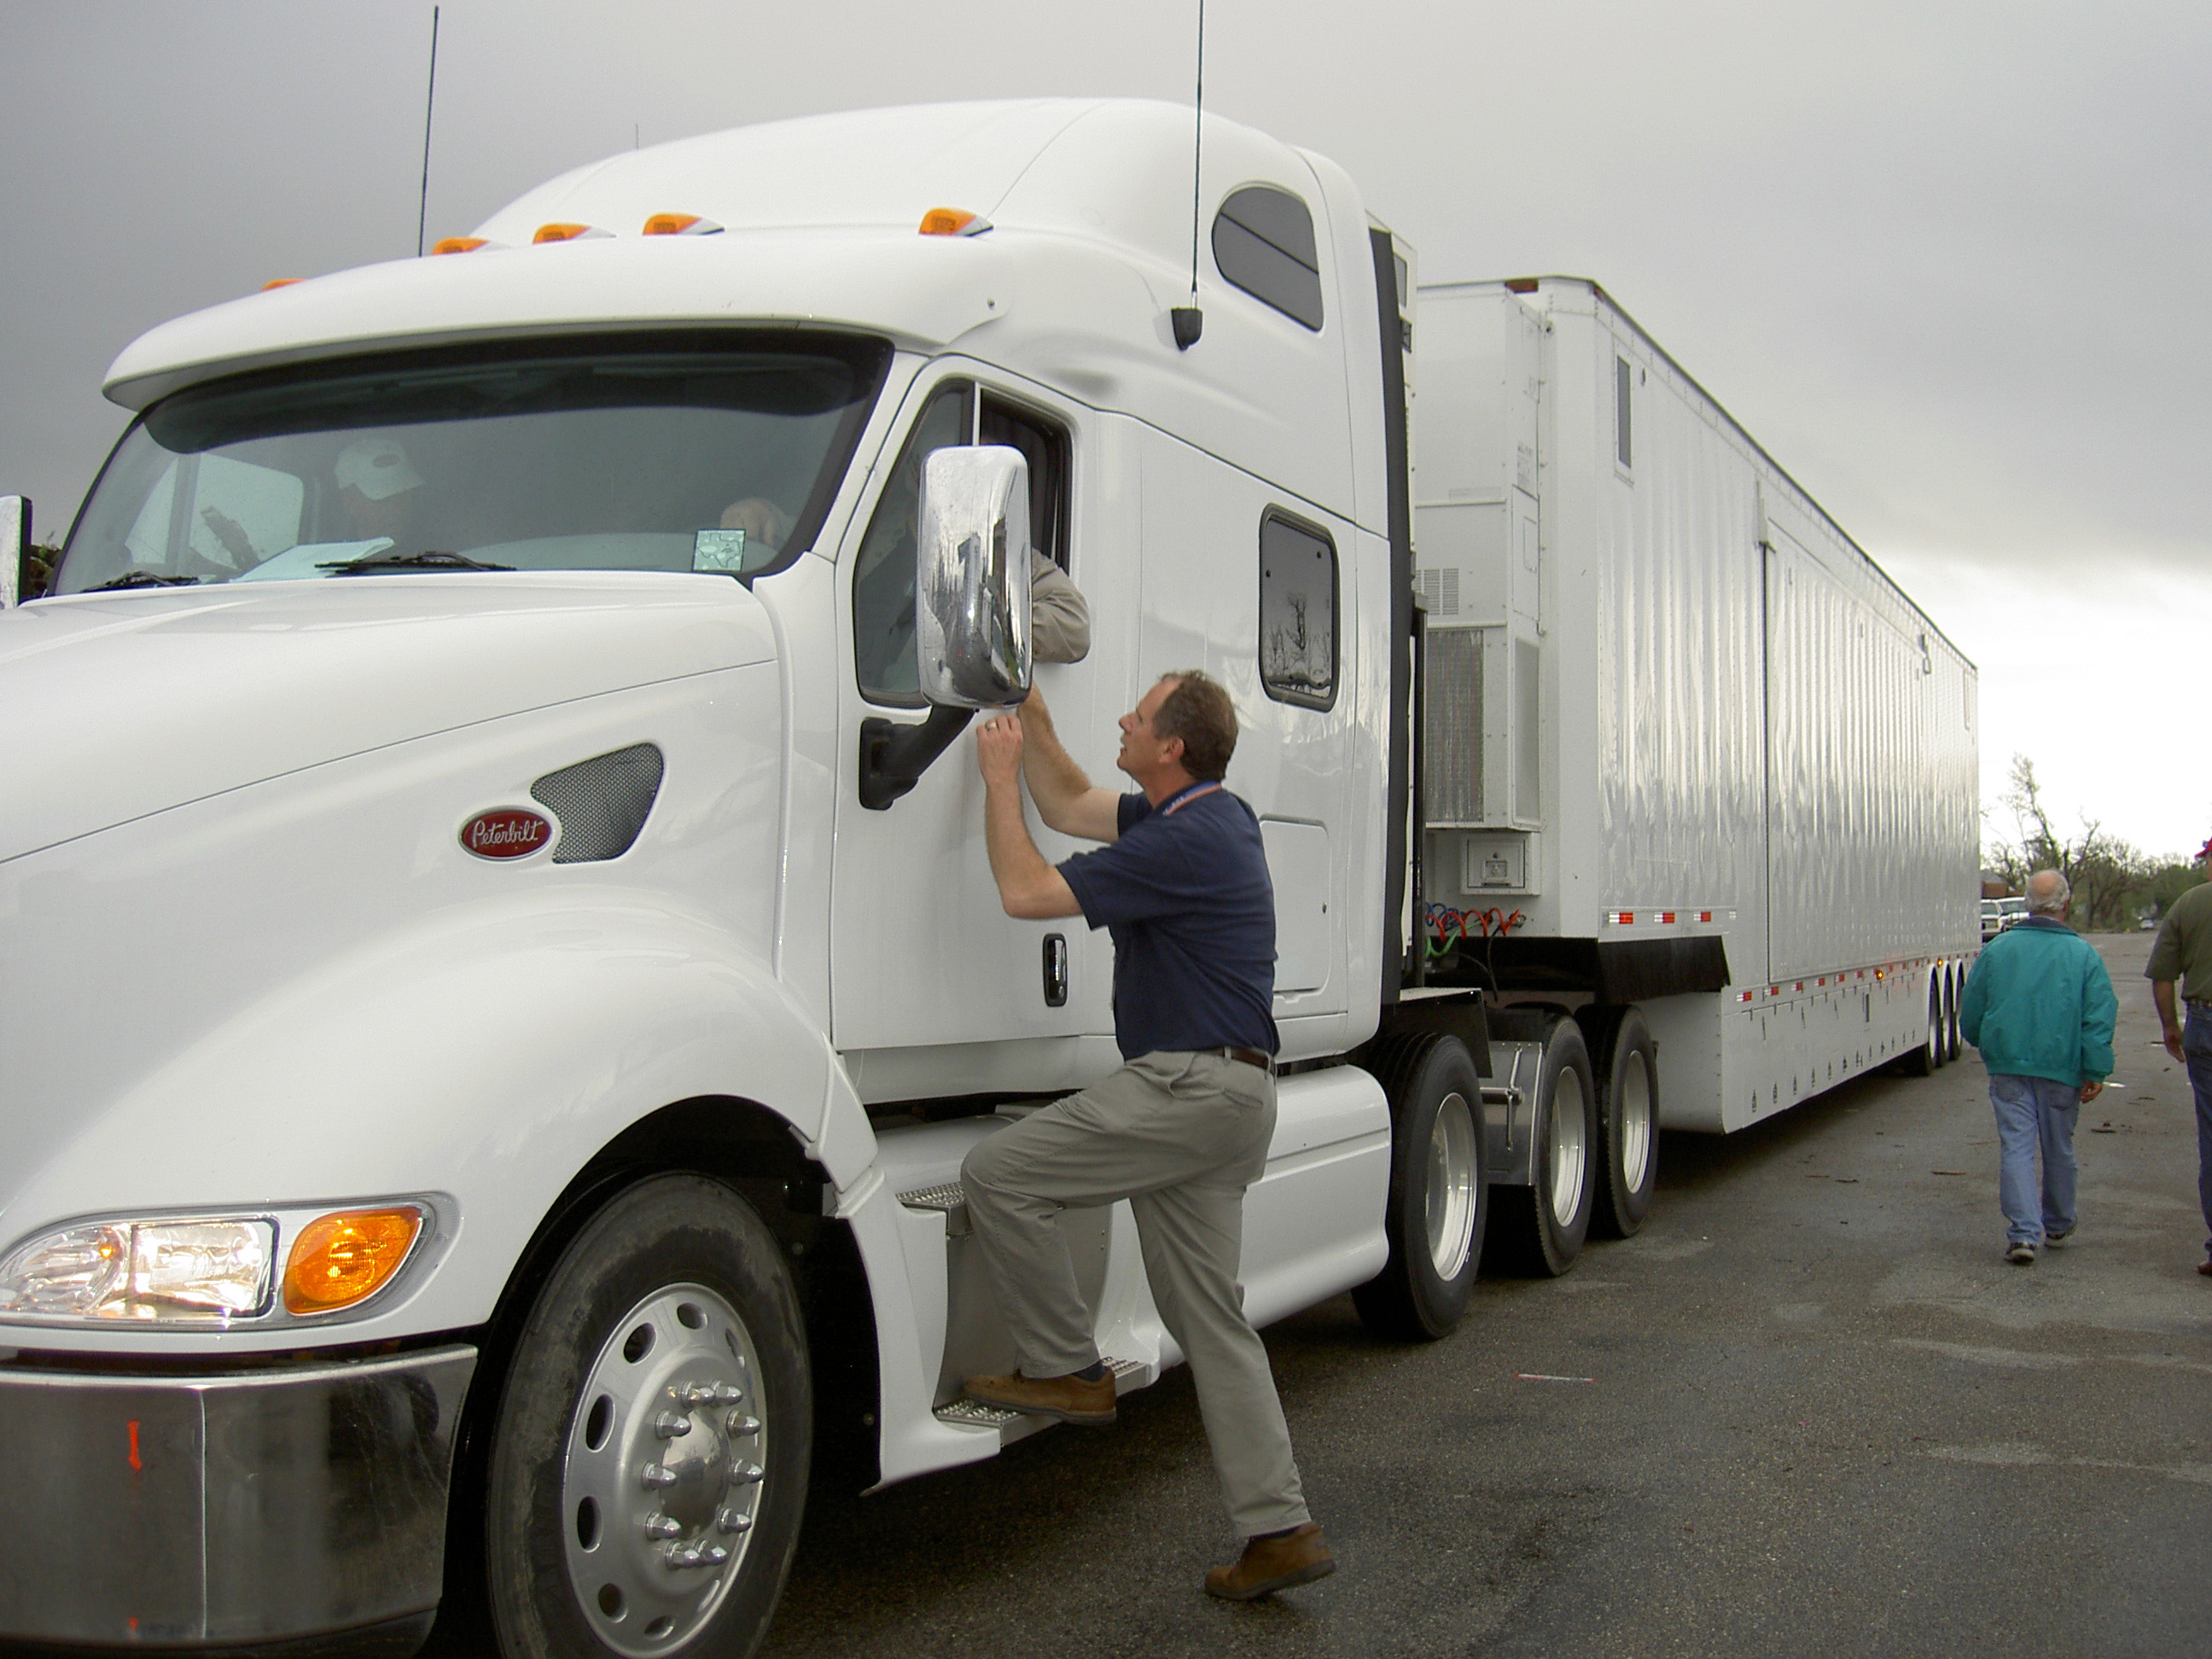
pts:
pixel 15 547
pixel 971 588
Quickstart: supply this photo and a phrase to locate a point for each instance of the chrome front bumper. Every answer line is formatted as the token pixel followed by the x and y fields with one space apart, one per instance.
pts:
pixel 226 1510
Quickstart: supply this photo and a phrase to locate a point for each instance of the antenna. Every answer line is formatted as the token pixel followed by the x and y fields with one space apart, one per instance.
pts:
pixel 1188 321
pixel 429 108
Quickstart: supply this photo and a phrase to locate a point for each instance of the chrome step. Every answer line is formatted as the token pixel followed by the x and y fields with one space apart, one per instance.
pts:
pixel 969 1413
pixel 949 1198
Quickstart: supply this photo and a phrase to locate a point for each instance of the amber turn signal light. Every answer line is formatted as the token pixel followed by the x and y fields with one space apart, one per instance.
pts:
pixel 562 231
pixel 680 224
pixel 345 1257
pixel 278 282
pixel 951 221
pixel 456 244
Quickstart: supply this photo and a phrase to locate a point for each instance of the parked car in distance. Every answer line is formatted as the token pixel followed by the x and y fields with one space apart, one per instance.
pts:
pixel 1992 919
pixel 2011 912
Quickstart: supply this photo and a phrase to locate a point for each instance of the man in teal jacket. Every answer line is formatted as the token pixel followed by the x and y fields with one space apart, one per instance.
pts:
pixel 2039 1006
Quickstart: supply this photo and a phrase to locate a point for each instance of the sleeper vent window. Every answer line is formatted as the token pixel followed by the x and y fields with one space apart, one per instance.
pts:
pixel 601 802
pixel 1298 613
pixel 1622 450
pixel 1263 243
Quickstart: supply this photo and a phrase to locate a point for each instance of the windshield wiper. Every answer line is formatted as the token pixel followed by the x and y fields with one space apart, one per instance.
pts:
pixel 369 565
pixel 144 579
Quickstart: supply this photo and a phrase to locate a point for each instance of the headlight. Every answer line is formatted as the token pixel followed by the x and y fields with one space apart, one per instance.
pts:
pixel 186 1271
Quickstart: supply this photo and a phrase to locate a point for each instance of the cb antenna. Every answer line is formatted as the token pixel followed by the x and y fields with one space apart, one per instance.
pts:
pixel 429 108
pixel 1188 321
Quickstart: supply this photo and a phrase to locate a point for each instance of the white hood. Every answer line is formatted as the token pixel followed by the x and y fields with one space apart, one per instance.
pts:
pixel 125 704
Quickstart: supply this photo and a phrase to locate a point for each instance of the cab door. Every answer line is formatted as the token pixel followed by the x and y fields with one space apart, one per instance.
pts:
pixel 935 989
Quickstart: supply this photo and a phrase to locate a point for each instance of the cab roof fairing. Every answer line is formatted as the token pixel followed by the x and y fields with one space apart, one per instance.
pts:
pixel 1089 201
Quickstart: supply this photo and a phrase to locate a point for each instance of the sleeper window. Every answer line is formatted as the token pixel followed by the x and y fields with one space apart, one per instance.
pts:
pixel 1263 243
pixel 1297 613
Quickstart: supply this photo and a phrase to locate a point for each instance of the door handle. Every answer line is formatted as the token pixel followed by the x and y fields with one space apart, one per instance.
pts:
pixel 1056 970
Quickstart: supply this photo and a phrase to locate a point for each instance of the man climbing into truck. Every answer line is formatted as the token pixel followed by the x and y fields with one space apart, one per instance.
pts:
pixel 1183 1128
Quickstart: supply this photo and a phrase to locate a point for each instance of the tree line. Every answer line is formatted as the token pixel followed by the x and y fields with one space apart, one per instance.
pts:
pixel 2114 881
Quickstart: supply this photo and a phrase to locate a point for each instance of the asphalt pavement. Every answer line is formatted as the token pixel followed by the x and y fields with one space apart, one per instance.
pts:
pixel 1823 1417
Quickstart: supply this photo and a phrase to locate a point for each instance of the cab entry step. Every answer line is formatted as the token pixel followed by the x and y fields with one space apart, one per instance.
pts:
pixel 949 1198
pixel 968 1413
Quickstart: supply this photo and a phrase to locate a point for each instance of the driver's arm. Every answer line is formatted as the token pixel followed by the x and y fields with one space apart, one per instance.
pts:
pixel 1066 799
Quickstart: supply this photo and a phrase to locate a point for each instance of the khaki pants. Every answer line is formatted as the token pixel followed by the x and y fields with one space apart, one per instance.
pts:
pixel 1180 1136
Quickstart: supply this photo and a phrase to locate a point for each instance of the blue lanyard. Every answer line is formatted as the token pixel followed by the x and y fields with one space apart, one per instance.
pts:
pixel 1188 796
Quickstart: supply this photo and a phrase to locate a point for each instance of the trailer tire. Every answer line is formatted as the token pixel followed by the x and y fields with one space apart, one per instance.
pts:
pixel 1439 1199
pixel 1953 1044
pixel 1923 1061
pixel 1625 1061
pixel 672 1306
pixel 1538 1230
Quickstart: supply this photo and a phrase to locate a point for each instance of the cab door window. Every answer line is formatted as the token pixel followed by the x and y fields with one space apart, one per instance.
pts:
pixel 883 579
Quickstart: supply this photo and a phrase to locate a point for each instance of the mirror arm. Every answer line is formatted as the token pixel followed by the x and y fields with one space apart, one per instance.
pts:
pixel 893 756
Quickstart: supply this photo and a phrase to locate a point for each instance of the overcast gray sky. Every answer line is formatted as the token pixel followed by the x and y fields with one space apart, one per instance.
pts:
pixel 1945 260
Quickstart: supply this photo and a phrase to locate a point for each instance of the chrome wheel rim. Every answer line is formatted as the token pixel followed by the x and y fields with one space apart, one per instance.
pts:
pixel 1570 1144
pixel 1452 1195
pixel 662 1480
pixel 1635 1121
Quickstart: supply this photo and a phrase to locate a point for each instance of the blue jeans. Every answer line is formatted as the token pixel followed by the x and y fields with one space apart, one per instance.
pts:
pixel 2032 1110
pixel 2196 1050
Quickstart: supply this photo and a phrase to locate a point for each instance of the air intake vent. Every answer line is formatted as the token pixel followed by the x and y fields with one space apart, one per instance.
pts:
pixel 601 803
pixel 1451 747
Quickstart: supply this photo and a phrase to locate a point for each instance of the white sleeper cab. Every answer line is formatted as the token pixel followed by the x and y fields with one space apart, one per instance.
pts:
pixel 500 969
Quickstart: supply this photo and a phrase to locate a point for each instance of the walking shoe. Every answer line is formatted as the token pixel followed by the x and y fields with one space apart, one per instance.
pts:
pixel 2205 1267
pixel 1297 1557
pixel 2021 1256
pixel 1071 1399
pixel 2055 1241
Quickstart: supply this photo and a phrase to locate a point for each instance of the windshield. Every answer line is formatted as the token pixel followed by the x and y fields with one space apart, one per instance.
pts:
pixel 711 452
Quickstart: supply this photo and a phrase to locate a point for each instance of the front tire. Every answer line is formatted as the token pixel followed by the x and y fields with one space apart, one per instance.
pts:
pixel 1439 1205
pixel 1626 1062
pixel 1539 1229
pixel 649 1456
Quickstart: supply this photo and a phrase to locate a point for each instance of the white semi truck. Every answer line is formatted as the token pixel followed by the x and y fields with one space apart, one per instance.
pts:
pixel 500 969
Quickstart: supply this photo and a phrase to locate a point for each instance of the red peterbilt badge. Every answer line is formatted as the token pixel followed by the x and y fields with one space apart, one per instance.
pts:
pixel 509 833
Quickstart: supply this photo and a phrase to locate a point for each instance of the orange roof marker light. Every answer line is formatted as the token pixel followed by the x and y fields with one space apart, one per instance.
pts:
pixel 681 224
pixel 952 221
pixel 348 1257
pixel 279 282
pixel 568 232
pixel 458 245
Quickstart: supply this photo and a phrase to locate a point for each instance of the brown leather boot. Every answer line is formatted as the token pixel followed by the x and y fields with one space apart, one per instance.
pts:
pixel 1071 1399
pixel 1269 1565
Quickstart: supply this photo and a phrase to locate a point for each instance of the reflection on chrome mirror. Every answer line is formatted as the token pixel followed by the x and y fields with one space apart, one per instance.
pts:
pixel 15 542
pixel 972 590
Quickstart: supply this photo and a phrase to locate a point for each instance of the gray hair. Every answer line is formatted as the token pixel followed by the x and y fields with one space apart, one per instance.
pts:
pixel 2048 893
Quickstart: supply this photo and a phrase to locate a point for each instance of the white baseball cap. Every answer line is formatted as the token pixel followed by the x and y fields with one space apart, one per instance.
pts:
pixel 377 467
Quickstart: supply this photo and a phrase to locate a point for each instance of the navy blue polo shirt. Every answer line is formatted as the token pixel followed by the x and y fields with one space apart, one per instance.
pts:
pixel 1185 894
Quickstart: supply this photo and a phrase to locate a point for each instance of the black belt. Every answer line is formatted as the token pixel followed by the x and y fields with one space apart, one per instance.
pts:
pixel 1258 1057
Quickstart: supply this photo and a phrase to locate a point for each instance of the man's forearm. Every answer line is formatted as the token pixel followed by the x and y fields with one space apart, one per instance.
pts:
pixel 1028 886
pixel 2169 1016
pixel 1055 780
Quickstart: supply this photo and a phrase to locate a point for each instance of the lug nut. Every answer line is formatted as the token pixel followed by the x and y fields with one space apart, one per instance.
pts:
pixel 653 1475
pixel 671 1425
pixel 738 1422
pixel 661 1526
pixel 733 1521
pixel 744 1475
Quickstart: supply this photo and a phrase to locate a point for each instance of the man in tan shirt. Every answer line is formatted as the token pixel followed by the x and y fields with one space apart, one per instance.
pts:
pixel 2183 952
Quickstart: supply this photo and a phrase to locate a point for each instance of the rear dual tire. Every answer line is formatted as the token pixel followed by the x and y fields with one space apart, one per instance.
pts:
pixel 1438 1207
pixel 1625 1062
pixel 1538 1230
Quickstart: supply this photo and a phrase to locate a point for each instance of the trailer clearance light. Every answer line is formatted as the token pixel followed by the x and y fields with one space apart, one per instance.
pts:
pixel 681 224
pixel 952 221
pixel 342 1259
pixel 457 245
pixel 568 232
pixel 164 1272
pixel 279 282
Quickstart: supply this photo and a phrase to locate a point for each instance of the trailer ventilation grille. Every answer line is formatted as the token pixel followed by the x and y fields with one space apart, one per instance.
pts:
pixel 1440 590
pixel 1451 732
pixel 601 803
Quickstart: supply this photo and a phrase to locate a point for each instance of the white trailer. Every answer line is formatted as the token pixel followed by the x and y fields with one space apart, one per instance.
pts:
pixel 500 969
pixel 1695 768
